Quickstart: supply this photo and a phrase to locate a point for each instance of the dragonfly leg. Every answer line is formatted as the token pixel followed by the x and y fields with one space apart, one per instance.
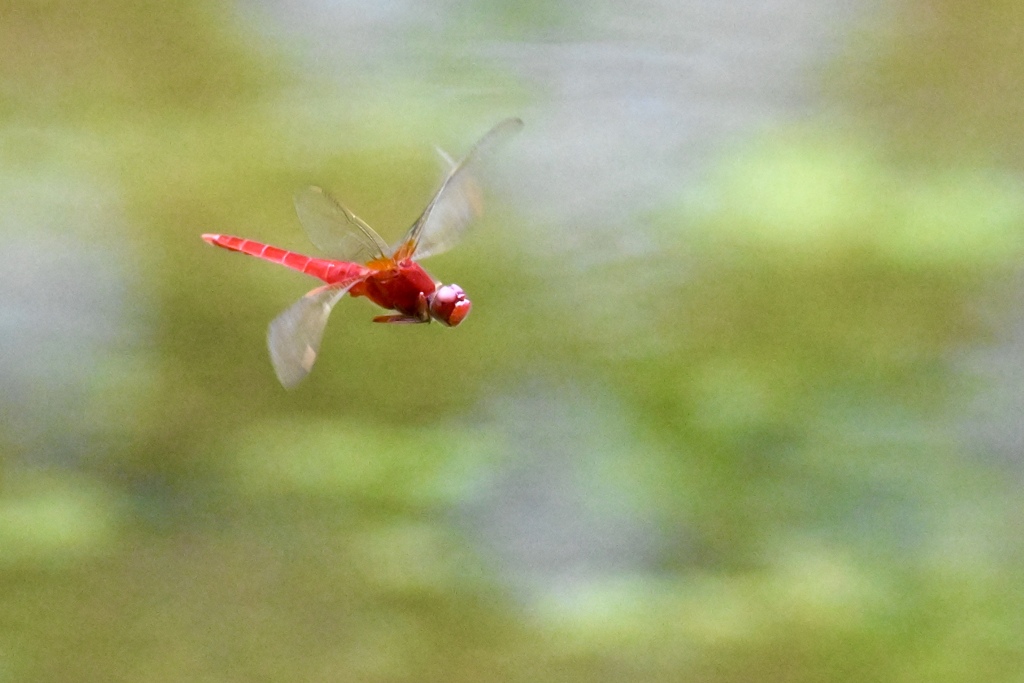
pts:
pixel 400 319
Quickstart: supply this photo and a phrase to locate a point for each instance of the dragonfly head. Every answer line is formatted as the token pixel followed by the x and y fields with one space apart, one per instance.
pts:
pixel 449 305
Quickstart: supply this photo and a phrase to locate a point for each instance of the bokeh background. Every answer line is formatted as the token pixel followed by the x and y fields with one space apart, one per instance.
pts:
pixel 740 398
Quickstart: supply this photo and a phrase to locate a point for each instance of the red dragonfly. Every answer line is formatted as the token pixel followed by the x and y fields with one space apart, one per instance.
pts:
pixel 362 264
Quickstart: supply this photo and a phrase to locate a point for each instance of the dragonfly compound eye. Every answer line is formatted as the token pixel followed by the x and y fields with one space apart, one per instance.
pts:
pixel 449 305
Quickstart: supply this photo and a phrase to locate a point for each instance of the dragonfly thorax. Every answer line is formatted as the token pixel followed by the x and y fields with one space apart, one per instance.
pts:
pixel 448 305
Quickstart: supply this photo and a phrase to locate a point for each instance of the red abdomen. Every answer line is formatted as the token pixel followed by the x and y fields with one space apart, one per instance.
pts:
pixel 325 269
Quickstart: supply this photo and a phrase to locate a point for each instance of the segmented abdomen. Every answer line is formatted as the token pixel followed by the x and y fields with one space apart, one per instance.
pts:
pixel 325 269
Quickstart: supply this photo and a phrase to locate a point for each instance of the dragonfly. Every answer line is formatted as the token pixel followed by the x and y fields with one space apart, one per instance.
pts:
pixel 360 263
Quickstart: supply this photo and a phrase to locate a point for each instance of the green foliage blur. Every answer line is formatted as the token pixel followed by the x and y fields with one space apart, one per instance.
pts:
pixel 777 390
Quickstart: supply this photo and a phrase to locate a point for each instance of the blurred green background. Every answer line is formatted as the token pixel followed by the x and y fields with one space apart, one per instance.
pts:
pixel 740 398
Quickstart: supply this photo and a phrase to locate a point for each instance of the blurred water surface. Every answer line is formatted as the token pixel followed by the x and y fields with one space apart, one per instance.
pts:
pixel 737 400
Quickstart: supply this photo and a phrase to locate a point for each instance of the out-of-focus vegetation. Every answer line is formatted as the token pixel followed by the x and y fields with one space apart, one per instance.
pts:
pixel 775 396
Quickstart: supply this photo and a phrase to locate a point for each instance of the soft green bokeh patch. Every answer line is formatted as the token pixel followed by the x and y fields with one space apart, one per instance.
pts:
pixel 814 194
pixel 52 519
pixel 353 463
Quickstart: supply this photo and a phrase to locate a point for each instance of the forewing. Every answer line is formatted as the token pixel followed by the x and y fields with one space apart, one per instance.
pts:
pixel 457 202
pixel 294 336
pixel 336 231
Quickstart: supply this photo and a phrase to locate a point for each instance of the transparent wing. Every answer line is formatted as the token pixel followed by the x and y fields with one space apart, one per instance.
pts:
pixel 336 231
pixel 294 336
pixel 457 202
